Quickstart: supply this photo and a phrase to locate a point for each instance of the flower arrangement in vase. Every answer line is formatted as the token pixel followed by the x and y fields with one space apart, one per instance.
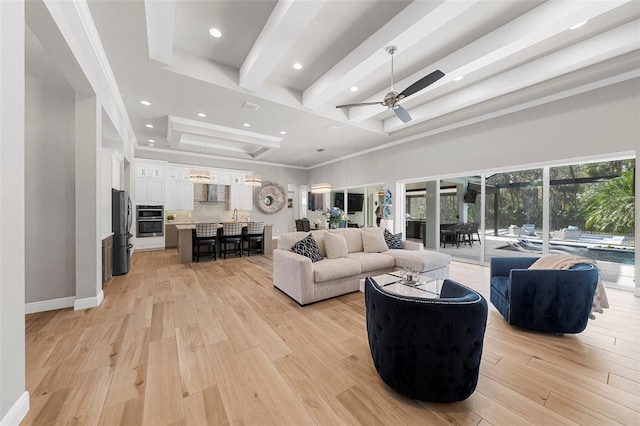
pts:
pixel 334 215
pixel 317 222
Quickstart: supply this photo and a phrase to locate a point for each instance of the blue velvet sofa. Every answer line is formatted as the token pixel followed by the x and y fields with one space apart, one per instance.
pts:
pixel 547 300
pixel 427 349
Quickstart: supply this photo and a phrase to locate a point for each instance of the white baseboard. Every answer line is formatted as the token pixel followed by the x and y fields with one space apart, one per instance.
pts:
pixel 88 302
pixel 17 412
pixel 49 305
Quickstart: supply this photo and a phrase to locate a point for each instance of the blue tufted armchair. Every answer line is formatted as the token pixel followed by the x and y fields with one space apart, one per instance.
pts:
pixel 547 300
pixel 427 349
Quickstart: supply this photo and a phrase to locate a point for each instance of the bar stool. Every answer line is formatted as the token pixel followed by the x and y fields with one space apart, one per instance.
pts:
pixel 205 234
pixel 253 234
pixel 231 234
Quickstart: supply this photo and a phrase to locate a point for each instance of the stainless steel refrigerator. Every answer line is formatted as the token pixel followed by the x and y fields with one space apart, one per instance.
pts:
pixel 121 220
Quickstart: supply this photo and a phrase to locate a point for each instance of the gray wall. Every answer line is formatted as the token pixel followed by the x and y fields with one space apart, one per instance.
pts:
pixel 13 396
pixel 49 183
pixel 595 123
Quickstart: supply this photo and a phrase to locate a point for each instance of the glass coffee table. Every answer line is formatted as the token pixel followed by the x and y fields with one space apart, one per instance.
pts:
pixel 426 287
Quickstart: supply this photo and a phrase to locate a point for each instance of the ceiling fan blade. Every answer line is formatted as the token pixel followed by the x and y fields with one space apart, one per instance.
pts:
pixel 402 113
pixel 421 84
pixel 360 104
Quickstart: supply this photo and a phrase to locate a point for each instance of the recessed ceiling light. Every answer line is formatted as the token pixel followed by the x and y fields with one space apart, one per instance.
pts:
pixel 149 126
pixel 297 66
pixel 283 132
pixel 215 33
pixel 202 114
pixel 145 103
pixel 151 141
pixel 246 124
pixel 578 25
pixel 458 78
pixel 354 89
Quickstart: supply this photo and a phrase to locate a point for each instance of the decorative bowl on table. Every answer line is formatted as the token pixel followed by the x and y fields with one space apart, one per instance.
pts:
pixel 410 276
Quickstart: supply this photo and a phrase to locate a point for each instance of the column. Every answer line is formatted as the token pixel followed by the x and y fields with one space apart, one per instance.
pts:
pixel 88 133
pixel 14 399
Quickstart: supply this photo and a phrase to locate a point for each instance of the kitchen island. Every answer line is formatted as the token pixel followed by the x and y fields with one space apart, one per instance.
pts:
pixel 185 240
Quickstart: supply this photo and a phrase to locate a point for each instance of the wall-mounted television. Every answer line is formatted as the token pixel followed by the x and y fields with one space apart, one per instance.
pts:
pixel 355 202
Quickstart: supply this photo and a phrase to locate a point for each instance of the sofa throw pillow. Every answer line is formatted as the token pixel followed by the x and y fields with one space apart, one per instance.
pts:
pixel 307 247
pixel 393 241
pixel 335 245
pixel 373 242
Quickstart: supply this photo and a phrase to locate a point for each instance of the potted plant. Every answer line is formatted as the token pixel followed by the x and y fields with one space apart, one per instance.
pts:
pixel 317 222
pixel 334 215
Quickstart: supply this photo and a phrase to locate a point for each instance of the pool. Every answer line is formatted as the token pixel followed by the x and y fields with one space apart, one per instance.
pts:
pixel 625 257
pixel 617 256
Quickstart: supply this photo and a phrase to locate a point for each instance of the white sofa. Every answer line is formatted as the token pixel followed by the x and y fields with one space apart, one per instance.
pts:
pixel 307 282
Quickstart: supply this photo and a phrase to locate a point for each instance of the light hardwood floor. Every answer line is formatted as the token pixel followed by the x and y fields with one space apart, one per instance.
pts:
pixel 216 343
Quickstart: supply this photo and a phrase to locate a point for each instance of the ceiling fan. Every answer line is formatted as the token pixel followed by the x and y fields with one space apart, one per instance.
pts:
pixel 391 99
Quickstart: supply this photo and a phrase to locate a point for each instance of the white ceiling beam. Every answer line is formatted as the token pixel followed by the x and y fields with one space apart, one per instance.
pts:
pixel 414 23
pixel 160 18
pixel 286 24
pixel 616 42
pixel 542 23
pixel 225 76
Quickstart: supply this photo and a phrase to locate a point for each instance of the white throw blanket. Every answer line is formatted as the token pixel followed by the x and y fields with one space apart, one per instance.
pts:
pixel 565 261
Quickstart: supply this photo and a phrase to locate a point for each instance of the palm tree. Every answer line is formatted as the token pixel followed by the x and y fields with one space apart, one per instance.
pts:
pixel 610 206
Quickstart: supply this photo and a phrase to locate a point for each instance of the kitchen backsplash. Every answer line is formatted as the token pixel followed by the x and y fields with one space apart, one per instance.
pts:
pixel 216 212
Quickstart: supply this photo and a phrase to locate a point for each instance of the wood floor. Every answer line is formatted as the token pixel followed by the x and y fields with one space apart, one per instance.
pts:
pixel 216 343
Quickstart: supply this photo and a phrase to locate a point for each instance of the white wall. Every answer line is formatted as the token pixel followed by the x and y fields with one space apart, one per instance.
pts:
pixel 281 221
pixel 49 185
pixel 14 399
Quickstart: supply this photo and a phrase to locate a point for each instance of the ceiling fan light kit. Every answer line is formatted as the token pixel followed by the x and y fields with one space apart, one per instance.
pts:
pixel 321 188
pixel 392 98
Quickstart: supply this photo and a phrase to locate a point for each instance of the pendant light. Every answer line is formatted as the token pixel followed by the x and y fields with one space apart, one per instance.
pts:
pixel 200 175
pixel 321 188
pixel 253 180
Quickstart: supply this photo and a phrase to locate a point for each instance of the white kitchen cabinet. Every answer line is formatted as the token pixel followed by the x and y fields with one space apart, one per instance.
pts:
pixel 150 170
pixel 179 195
pixel 116 170
pixel 149 183
pixel 150 191
pixel 172 195
pixel 186 196
pixel 179 189
pixel 240 197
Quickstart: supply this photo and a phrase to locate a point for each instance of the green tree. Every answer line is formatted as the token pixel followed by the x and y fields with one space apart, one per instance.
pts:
pixel 610 206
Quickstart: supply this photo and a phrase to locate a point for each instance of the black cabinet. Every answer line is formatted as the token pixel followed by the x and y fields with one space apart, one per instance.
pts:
pixel 416 228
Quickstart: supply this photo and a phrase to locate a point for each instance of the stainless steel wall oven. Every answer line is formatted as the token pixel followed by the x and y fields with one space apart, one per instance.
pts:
pixel 149 221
